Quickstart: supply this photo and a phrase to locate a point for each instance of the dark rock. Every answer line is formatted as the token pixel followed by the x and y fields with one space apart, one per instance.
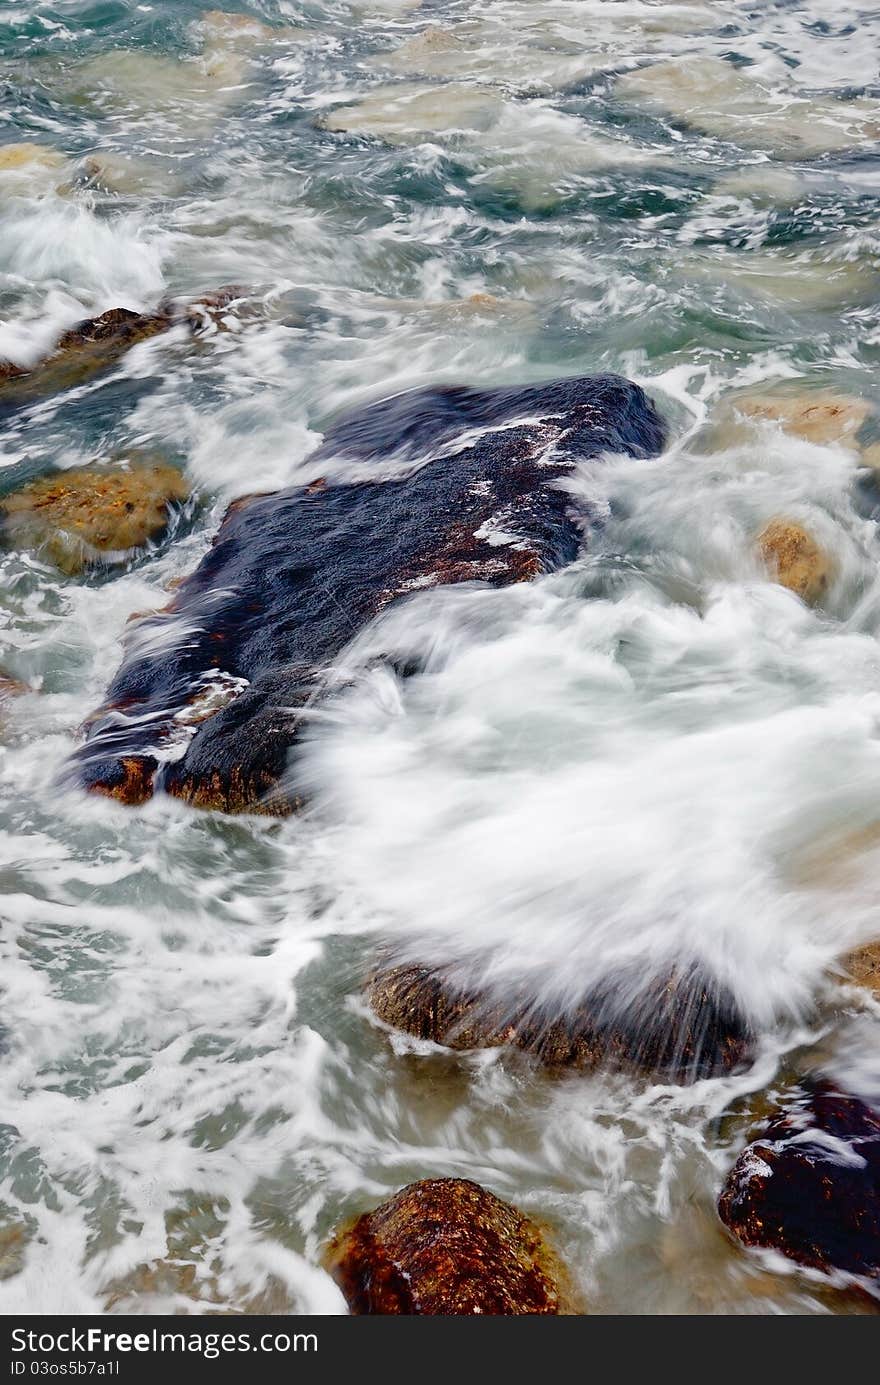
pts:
pixel 681 1027
pixel 97 344
pixel 448 1247
pixel 810 1186
pixel 293 576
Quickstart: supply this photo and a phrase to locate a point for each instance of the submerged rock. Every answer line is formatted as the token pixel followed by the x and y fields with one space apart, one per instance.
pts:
pixel 445 1246
pixel 494 52
pixel 680 1027
pixel 97 343
pixel 15 157
pixel 821 417
pixel 408 111
pixel 93 515
pixel 293 576
pixel 795 559
pixel 720 99
pixel 140 83
pixel 810 1186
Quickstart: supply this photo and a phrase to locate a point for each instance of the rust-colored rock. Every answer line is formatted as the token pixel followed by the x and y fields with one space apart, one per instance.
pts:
pixel 863 967
pixel 445 1247
pixel 681 1027
pixel 92 515
pixel 795 559
pixel 12 687
pixel 97 344
pixel 810 1186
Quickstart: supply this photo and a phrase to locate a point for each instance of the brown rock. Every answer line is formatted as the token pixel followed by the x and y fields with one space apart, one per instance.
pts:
pixel 12 687
pixel 820 417
pixel 96 344
pixel 93 514
pixel 445 1247
pixel 681 1027
pixel 795 559
pixel 863 966
pixel 18 156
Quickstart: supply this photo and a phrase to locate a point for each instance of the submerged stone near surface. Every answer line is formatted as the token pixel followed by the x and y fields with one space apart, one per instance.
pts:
pixel 92 515
pixel 821 417
pixel 445 1246
pixel 810 1186
pixel 294 575
pixel 795 559
pixel 96 344
pixel 680 1027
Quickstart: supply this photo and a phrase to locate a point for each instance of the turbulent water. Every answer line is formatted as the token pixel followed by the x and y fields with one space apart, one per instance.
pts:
pixel 657 753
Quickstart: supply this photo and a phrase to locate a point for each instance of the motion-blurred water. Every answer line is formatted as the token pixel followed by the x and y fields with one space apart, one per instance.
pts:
pixel 657 753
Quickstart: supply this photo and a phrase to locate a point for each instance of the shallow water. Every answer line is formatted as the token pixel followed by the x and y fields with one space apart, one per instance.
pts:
pixel 655 754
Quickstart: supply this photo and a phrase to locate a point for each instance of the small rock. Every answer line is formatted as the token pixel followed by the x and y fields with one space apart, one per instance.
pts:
pixel 810 1186
pixel 92 515
pixel 680 1027
pixel 14 157
pixel 97 344
pixel 445 1246
pixel 795 559
pixel 863 967
pixel 12 687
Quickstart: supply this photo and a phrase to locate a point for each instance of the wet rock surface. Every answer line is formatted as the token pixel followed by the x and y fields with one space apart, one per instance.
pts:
pixel 863 966
pixel 96 344
pixel 294 575
pixel 445 1246
pixel 681 1028
pixel 810 1186
pixel 795 559
pixel 92 515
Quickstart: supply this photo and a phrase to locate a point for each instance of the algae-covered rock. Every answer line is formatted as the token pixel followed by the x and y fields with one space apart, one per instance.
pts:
pixel 810 1186
pixel 680 1026
pixel 92 515
pixel 445 1246
pixel 795 559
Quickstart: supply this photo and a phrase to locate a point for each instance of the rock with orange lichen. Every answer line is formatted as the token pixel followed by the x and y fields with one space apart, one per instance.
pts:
pixel 446 1247
pixel 682 1026
pixel 795 559
pixel 93 515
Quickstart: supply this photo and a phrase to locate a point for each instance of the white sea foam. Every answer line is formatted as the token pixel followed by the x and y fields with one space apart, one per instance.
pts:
pixel 658 755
